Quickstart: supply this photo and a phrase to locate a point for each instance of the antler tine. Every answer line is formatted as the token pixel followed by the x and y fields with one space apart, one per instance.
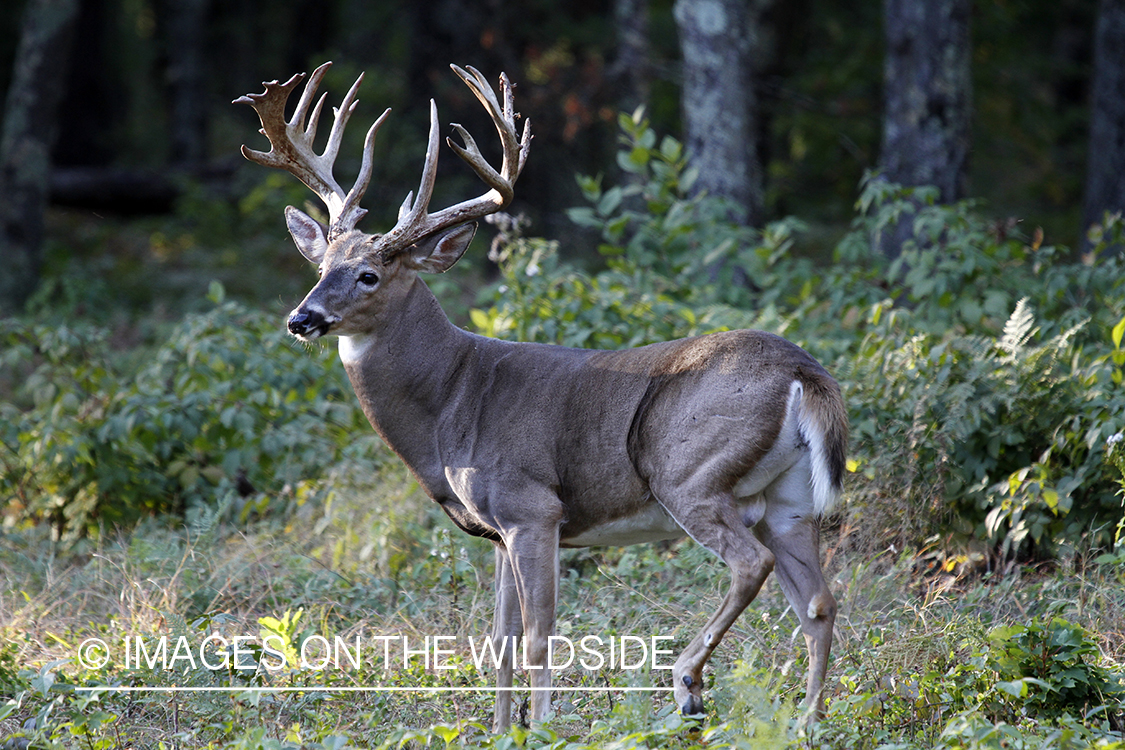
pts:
pixel 341 115
pixel 412 214
pixel 510 115
pixel 470 152
pixel 404 209
pixel 515 150
pixel 504 118
pixel 414 222
pixel 270 107
pixel 314 119
pixel 429 171
pixel 293 149
pixel 363 179
pixel 307 95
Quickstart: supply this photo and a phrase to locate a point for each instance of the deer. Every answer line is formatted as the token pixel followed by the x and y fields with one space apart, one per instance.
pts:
pixel 736 439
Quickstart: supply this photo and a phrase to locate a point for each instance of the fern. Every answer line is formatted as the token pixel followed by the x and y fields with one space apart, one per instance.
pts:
pixel 1019 329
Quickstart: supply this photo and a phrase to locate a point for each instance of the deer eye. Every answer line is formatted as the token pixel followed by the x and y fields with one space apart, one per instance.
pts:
pixel 369 279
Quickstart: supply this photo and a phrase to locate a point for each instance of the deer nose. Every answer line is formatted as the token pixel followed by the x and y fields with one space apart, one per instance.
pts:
pixel 298 322
pixel 302 322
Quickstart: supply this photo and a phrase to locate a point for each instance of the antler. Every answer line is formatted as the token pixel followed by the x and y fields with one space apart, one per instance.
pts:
pixel 414 221
pixel 292 151
pixel 292 144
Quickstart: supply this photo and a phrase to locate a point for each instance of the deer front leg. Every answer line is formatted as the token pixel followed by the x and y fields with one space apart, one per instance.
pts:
pixel 507 627
pixel 533 552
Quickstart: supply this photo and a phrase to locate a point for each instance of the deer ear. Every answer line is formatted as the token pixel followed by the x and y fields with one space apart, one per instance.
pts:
pixel 438 253
pixel 310 235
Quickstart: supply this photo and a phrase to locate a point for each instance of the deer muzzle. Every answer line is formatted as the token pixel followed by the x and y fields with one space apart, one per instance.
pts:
pixel 307 324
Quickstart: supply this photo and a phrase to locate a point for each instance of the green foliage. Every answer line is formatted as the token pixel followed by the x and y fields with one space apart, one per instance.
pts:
pixel 972 731
pixel 983 371
pixel 959 406
pixel 1051 668
pixel 992 428
pixel 671 262
pixel 906 674
pixel 967 685
pixel 226 409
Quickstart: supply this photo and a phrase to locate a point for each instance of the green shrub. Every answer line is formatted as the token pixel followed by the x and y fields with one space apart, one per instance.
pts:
pixel 971 686
pixel 1004 435
pixel 1051 668
pixel 674 265
pixel 227 407
pixel 981 367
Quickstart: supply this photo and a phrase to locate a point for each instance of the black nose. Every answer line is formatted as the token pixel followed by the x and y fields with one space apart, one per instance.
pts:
pixel 298 322
pixel 302 322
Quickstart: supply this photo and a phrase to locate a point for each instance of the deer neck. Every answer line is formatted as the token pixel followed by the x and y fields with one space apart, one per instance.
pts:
pixel 405 376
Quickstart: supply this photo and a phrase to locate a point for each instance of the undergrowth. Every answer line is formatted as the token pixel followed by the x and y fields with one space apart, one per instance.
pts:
pixel 933 661
pixel 919 661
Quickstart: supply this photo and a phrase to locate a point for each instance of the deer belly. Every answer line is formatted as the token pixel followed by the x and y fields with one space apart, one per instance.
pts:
pixel 651 523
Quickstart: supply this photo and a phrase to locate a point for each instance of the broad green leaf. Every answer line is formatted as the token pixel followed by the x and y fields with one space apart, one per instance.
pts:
pixel 1015 688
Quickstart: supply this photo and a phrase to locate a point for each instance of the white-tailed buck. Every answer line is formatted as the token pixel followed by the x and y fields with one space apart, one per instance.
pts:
pixel 736 439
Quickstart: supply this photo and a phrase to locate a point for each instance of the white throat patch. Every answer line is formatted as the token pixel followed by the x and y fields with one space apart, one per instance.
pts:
pixel 354 348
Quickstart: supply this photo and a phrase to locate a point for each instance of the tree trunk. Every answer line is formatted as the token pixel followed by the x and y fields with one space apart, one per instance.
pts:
pixel 30 120
pixel 1105 160
pixel 720 106
pixel 928 98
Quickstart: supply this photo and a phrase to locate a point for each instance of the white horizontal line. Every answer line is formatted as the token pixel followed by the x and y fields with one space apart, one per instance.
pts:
pixel 316 689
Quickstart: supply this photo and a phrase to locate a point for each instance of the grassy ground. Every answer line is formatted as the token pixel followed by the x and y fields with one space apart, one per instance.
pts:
pixel 375 559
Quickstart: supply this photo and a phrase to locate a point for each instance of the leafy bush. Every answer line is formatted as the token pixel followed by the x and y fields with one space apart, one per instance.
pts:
pixel 967 682
pixel 226 407
pixel 1004 435
pixel 675 265
pixel 1052 667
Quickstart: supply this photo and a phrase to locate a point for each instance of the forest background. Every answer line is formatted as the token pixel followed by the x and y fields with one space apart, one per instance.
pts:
pixel 924 194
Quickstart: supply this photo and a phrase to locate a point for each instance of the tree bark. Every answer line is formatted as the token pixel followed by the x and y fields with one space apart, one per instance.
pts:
pixel 1105 160
pixel 30 124
pixel 717 38
pixel 928 98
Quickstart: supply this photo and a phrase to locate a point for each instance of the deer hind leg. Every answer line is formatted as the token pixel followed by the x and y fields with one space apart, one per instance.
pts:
pixel 716 523
pixel 507 627
pixel 792 534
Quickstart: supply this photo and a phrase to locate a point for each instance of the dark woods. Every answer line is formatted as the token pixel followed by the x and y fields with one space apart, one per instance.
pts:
pixel 805 96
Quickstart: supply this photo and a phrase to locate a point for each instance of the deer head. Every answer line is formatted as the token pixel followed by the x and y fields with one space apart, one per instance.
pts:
pixel 362 275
